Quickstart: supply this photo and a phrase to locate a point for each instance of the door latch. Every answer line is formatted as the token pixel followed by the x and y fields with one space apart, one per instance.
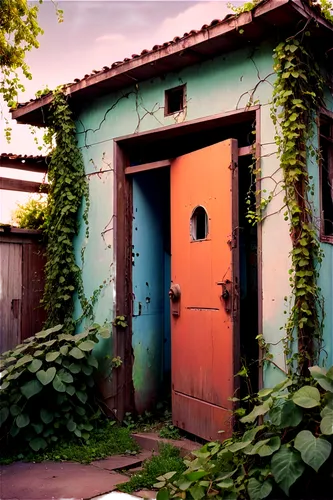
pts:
pixel 226 295
pixel 174 294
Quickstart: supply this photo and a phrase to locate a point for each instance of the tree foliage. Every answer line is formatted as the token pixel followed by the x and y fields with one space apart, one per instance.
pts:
pixel 19 32
pixel 31 215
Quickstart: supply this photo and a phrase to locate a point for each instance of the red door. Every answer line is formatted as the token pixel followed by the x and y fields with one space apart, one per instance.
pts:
pixel 204 222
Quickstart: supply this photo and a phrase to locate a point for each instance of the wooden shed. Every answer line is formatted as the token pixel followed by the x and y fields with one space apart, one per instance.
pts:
pixel 22 263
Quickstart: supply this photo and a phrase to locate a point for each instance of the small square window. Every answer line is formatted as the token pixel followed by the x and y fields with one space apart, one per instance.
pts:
pixel 326 177
pixel 174 100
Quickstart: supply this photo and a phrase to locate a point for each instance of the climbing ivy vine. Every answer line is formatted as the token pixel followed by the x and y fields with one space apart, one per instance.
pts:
pixel 298 93
pixel 68 188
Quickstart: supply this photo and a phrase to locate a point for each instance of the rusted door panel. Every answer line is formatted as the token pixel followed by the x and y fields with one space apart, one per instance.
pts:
pixel 203 333
pixel 10 295
pixel 201 418
pixel 202 371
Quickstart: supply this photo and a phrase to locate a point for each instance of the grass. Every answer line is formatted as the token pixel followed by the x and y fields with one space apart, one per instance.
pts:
pixel 169 459
pixel 108 439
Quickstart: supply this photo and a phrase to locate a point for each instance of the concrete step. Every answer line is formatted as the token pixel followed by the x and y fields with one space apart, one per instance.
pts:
pixel 151 441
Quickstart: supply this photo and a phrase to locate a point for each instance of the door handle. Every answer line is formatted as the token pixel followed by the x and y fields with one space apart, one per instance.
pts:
pixel 15 307
pixel 226 295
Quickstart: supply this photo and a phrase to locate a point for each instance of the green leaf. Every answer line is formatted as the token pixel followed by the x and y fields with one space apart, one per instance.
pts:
pixel 104 333
pixel 163 495
pixel 81 411
pixel 22 361
pixel 183 484
pixel 22 420
pixel 327 410
pixel 266 447
pixel 197 492
pixel 87 345
pixel 51 356
pixel 46 416
pixel 238 446
pixel 314 451
pixel 38 353
pixel 251 433
pixel 92 361
pixel 76 353
pixel 58 385
pixel 35 365
pixel 326 425
pixel 307 397
pixel 42 334
pixel 4 414
pixel 31 388
pixel 285 414
pixel 226 484
pixel 45 333
pixel 49 343
pixel 65 376
pixel 64 350
pixel 38 443
pixel 256 412
pixel 225 475
pixel 257 490
pixel 87 369
pixel 89 427
pixel 70 389
pixel 82 396
pixel 38 428
pixel 71 426
pixel 66 336
pixel 6 383
pixel 74 368
pixel 320 375
pixel 15 410
pixel 196 475
pixel 45 377
pixel 287 467
pixel 263 393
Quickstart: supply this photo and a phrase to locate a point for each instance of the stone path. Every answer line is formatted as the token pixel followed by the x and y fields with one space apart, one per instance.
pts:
pixel 65 480
pixel 74 481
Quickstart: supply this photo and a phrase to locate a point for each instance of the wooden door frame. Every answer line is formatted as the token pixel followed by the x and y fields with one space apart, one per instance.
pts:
pixel 121 397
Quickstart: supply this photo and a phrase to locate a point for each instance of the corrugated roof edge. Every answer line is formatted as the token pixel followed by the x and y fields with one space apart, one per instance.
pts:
pixel 33 163
pixel 216 28
pixel 22 158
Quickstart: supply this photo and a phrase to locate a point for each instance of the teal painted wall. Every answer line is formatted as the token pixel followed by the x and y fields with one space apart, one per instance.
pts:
pixel 216 86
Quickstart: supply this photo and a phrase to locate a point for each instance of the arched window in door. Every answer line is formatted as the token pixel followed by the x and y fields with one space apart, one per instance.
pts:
pixel 199 224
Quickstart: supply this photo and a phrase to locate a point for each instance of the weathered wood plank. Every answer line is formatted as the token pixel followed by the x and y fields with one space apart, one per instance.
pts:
pixel 21 185
pixel 147 166
pixel 11 295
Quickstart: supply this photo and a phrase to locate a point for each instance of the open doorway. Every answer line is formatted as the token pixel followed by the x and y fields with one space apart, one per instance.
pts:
pixel 151 274
pixel 151 258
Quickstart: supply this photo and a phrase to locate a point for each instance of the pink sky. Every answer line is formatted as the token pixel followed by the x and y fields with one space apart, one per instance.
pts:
pixel 94 34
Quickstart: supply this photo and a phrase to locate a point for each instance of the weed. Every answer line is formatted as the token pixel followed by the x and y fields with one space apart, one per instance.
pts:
pixel 169 459
pixel 169 431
